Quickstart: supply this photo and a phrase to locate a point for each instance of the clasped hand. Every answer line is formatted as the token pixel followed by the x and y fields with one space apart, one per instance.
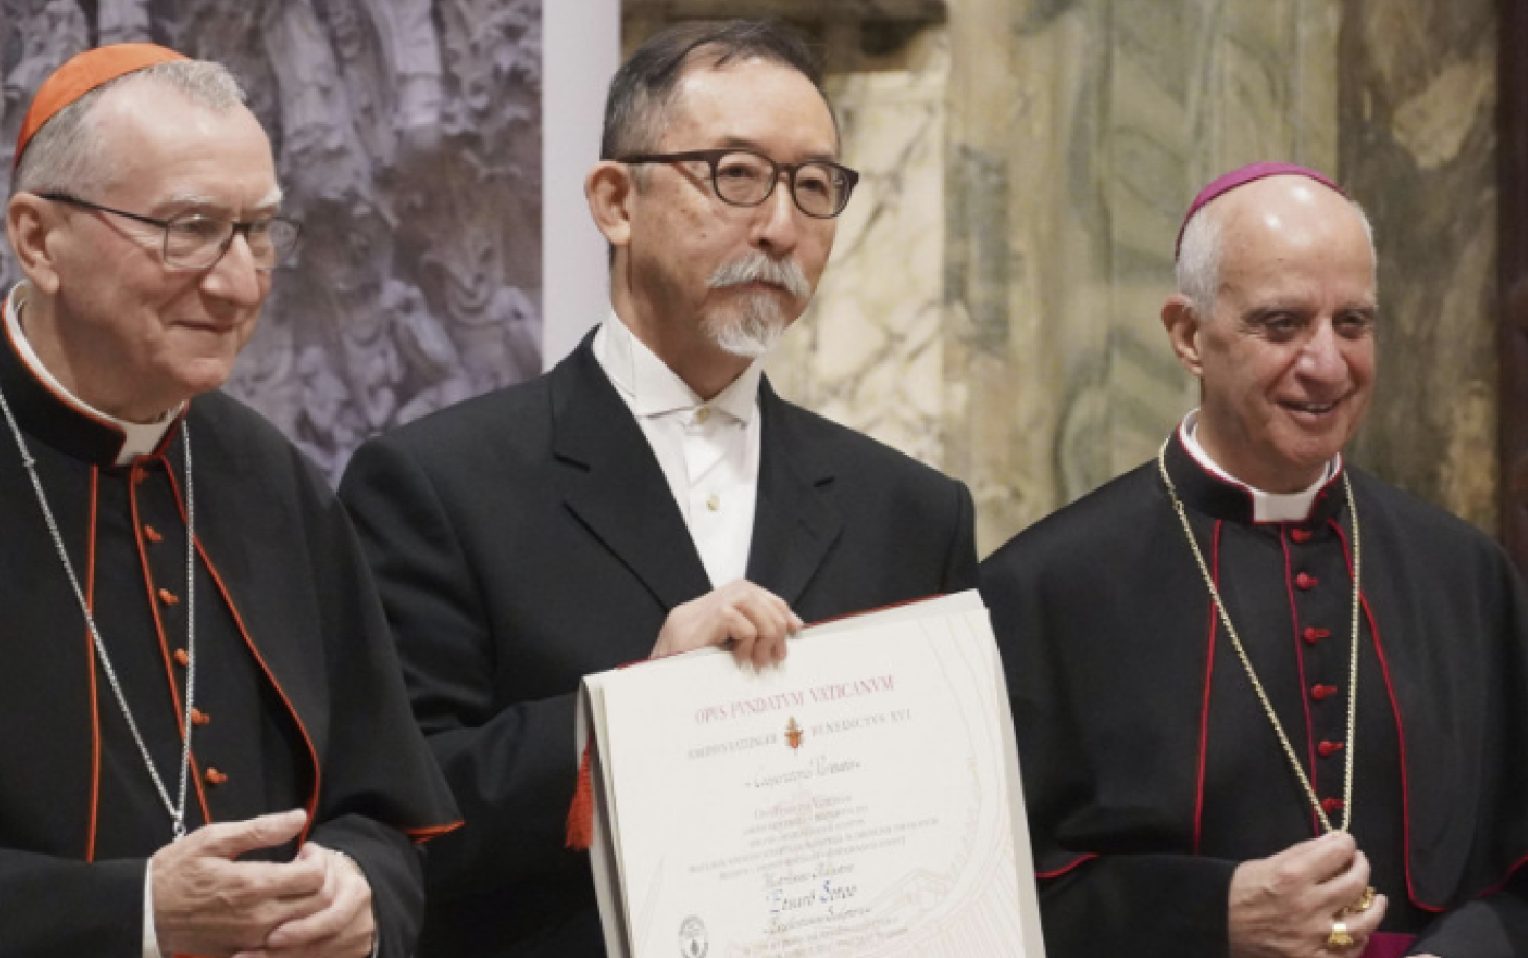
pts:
pixel 1287 905
pixel 206 902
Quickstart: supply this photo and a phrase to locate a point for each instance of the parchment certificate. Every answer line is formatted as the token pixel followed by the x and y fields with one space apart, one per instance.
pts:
pixel 860 799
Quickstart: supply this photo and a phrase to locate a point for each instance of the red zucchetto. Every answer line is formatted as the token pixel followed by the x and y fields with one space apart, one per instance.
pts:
pixel 82 73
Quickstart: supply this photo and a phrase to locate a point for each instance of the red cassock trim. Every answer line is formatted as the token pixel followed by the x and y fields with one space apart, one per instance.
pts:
pixel 162 450
pixel 1493 889
pixel 1310 738
pixel 425 833
pixel 1068 867
pixel 1211 629
pixel 193 773
pixel 64 399
pixel 1400 738
pixel 1400 731
pixel 312 803
pixel 233 610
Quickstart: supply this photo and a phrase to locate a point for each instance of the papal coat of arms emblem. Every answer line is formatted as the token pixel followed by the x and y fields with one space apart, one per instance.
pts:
pixel 692 938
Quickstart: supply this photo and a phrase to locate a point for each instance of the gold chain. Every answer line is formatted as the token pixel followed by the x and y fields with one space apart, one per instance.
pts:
pixel 1246 661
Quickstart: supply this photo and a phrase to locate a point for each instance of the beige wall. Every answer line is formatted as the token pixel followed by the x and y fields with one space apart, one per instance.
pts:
pixel 992 307
pixel 1418 147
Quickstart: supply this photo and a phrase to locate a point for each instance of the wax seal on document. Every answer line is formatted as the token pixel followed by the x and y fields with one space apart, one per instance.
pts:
pixel 793 734
pixel 692 938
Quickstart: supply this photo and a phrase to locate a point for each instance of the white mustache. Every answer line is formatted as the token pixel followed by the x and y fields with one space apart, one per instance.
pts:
pixel 758 268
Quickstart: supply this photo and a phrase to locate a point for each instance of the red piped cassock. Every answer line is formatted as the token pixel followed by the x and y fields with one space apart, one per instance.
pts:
pixel 1150 769
pixel 299 697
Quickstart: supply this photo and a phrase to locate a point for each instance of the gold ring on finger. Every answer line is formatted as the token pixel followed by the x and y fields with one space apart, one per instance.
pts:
pixel 1363 904
pixel 1339 938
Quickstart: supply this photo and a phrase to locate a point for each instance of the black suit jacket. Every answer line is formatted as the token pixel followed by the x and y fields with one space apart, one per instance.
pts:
pixel 528 537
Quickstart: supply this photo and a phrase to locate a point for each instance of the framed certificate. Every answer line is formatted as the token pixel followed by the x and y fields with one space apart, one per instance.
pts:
pixel 861 798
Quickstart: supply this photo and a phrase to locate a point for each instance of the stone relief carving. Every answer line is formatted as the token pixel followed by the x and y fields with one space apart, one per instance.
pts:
pixel 407 135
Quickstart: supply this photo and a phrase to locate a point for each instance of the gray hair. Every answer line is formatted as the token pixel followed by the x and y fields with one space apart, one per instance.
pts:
pixel 1198 266
pixel 66 154
pixel 1199 255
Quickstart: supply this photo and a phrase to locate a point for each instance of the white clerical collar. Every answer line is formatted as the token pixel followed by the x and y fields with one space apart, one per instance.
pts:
pixel 1266 506
pixel 651 388
pixel 140 438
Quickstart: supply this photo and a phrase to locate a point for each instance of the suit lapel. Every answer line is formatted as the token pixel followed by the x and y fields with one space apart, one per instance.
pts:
pixel 614 484
pixel 794 523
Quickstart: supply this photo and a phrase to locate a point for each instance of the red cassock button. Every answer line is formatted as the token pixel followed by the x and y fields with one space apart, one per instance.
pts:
pixel 168 597
pixel 182 658
pixel 1330 805
pixel 151 534
pixel 214 777
pixel 1312 635
pixel 1300 535
pixel 1328 749
pixel 1319 692
pixel 1305 581
pixel 198 717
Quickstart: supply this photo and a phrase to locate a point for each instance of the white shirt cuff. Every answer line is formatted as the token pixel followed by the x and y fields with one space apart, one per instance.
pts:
pixel 150 937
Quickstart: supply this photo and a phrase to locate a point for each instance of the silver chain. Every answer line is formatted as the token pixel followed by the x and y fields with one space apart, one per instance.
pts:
pixel 1257 686
pixel 177 809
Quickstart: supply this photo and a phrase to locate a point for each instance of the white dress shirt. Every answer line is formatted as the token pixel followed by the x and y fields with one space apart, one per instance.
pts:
pixel 1266 506
pixel 708 449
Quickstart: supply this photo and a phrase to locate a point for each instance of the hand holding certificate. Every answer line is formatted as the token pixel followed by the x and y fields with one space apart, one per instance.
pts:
pixel 859 799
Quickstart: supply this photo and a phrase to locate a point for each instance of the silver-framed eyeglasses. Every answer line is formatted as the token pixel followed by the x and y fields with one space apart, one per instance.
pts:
pixel 819 188
pixel 195 241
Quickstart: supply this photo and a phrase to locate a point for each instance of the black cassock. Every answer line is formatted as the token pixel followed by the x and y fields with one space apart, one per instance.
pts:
pixel 298 695
pixel 1151 770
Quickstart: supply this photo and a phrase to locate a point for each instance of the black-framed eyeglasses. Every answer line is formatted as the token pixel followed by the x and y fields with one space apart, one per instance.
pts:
pixel 819 188
pixel 194 241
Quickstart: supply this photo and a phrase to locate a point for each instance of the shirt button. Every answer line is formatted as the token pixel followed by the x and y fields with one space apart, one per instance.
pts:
pixel 713 502
pixel 1312 635
pixel 214 777
pixel 1319 692
pixel 1305 581
pixel 702 414
pixel 1300 535
pixel 1328 749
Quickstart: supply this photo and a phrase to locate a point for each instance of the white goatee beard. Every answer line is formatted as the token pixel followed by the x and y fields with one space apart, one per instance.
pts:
pixel 752 329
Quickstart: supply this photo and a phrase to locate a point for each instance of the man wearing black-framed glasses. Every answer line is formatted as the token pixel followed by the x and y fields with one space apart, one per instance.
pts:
pixel 205 747
pixel 651 494
pixel 819 188
pixel 192 241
